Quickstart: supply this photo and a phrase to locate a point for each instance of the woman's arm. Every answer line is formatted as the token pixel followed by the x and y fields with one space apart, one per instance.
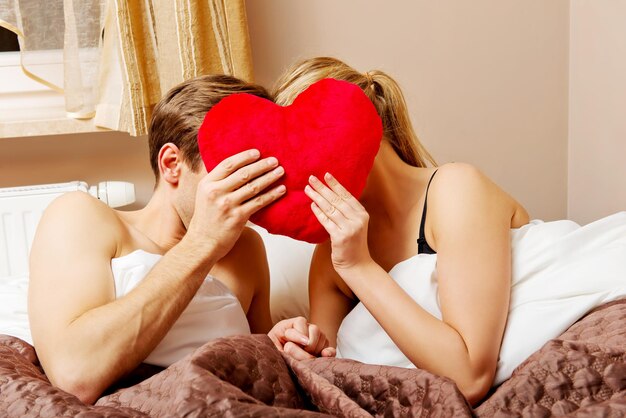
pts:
pixel 330 298
pixel 330 301
pixel 328 306
pixel 469 220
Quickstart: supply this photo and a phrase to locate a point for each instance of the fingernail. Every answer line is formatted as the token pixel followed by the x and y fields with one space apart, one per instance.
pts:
pixel 272 161
pixel 255 153
pixel 313 179
pixel 281 189
pixel 304 340
pixel 307 189
pixel 328 176
pixel 279 170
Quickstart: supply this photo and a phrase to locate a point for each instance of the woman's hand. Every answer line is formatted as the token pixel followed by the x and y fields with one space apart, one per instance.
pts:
pixel 299 339
pixel 344 218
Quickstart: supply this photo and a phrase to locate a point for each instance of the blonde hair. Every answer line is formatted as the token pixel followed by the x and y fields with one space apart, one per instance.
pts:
pixel 381 89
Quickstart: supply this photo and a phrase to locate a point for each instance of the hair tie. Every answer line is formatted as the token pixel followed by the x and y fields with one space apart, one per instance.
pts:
pixel 370 80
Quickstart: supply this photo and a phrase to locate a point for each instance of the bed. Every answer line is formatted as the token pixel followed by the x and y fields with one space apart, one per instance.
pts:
pixel 582 373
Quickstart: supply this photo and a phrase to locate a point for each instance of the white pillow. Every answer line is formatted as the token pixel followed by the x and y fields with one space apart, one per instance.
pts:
pixel 289 262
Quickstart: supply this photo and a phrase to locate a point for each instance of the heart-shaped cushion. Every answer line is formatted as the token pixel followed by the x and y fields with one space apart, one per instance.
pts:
pixel 330 127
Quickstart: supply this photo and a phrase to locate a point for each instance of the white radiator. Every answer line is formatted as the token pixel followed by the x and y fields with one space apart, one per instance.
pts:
pixel 21 209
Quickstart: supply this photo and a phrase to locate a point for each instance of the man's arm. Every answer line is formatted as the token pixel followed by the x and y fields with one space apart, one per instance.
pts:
pixel 246 273
pixel 85 338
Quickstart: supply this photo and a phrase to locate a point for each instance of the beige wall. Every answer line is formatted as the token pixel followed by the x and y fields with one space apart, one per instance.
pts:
pixel 486 80
pixel 597 142
pixel 88 157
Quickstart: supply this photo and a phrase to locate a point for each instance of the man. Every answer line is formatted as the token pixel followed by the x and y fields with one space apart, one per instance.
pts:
pixel 87 329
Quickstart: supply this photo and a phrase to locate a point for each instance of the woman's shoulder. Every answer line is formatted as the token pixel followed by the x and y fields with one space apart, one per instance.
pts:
pixel 459 177
pixel 459 186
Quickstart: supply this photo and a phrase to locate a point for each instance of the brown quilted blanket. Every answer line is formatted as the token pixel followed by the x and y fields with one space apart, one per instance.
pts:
pixel 580 374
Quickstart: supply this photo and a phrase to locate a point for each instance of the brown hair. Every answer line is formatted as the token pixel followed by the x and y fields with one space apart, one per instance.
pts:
pixel 178 116
pixel 381 89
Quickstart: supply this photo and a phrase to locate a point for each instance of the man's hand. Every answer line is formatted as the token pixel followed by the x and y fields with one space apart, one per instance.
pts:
pixel 301 340
pixel 227 197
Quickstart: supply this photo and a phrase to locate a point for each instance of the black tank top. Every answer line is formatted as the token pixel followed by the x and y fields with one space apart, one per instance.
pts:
pixel 422 245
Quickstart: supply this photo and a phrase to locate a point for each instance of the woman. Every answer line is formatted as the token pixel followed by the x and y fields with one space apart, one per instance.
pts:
pixel 418 271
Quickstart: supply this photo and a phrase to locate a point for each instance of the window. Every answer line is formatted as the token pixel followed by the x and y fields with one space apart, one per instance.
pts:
pixel 23 99
pixel 8 41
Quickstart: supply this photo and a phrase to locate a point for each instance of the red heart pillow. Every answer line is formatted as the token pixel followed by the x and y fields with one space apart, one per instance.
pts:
pixel 331 127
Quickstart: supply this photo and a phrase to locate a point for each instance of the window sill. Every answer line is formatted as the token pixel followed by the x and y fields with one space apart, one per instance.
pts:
pixel 28 108
pixel 43 127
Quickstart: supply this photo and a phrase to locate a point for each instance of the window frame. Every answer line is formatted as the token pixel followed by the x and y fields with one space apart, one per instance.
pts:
pixel 28 107
pixel 21 97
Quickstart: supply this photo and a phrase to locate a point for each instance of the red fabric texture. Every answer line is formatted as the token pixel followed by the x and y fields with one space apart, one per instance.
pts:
pixel 330 127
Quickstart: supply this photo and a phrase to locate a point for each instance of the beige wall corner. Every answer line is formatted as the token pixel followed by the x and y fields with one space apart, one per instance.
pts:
pixel 597 127
pixel 486 80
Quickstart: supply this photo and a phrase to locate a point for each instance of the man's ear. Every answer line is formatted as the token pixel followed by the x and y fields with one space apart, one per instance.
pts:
pixel 170 163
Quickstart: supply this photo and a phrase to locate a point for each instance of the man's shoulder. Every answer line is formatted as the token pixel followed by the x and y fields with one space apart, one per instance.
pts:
pixel 81 211
pixel 81 206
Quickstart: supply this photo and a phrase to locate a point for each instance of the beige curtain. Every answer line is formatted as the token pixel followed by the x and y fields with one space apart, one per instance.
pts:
pixel 60 34
pixel 152 45
pixel 121 56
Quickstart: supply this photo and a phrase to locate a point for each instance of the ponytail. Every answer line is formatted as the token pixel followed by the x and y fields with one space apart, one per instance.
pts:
pixel 389 101
pixel 381 89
